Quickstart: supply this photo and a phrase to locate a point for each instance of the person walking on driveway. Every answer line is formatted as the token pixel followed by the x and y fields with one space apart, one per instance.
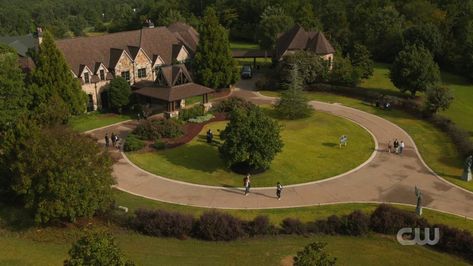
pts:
pixel 389 146
pixel 247 184
pixel 278 190
pixel 401 147
pixel 107 140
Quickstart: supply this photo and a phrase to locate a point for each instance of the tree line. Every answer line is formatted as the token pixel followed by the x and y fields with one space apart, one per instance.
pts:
pixel 443 27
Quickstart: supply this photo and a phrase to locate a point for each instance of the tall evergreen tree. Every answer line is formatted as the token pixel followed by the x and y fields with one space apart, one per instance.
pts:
pixel 53 77
pixel 13 95
pixel 293 104
pixel 213 63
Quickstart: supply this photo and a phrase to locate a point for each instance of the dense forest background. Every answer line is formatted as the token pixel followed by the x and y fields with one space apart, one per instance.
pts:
pixel 445 27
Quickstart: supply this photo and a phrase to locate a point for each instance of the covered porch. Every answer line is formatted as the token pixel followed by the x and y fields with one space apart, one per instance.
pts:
pixel 173 97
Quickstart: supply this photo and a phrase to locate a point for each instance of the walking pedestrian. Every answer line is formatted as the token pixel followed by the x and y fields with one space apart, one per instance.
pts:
pixel 107 140
pixel 389 146
pixel 247 184
pixel 117 142
pixel 396 146
pixel 278 190
pixel 401 147
pixel 113 137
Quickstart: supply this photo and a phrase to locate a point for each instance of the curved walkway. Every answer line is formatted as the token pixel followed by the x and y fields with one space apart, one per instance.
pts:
pixel 386 178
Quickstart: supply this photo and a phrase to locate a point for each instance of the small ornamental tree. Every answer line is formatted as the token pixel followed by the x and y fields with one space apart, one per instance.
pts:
pixel 119 92
pixel 53 77
pixel 57 174
pixel 314 255
pixel 414 70
pixel 213 63
pixel 343 73
pixel 293 104
pixel 437 98
pixel 96 249
pixel 251 140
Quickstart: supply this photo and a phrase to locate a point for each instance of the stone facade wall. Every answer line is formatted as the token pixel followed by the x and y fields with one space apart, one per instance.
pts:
pixel 142 61
pixel 183 55
pixel 95 89
pixel 124 64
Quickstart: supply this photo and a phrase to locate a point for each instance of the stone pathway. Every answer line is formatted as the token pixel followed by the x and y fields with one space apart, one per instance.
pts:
pixel 384 178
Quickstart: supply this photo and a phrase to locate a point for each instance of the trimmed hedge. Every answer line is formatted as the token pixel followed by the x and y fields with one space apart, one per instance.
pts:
pixel 156 129
pixel 232 103
pixel 219 226
pixel 133 143
pixel 193 112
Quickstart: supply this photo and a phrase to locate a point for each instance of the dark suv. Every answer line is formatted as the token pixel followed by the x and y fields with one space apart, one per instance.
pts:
pixel 246 72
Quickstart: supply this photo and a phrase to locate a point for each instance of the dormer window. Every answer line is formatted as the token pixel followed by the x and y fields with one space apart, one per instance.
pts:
pixel 102 74
pixel 86 77
pixel 160 77
pixel 181 79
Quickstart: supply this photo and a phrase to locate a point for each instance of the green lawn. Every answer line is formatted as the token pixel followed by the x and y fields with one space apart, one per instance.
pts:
pixel 272 250
pixel 461 109
pixel 244 46
pixel 316 138
pixel 93 120
pixel 436 147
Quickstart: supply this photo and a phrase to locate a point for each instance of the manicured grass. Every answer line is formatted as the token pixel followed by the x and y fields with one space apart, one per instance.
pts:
pixel 244 46
pixel 316 138
pixel 436 147
pixel 271 250
pixel 461 109
pixel 305 214
pixel 95 120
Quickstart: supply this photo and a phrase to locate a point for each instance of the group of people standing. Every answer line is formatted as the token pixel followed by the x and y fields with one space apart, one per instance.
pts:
pixel 247 185
pixel 396 146
pixel 114 139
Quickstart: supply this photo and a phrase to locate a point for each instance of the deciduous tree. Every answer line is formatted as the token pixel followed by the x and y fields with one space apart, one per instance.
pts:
pixel 414 70
pixel 437 98
pixel 273 21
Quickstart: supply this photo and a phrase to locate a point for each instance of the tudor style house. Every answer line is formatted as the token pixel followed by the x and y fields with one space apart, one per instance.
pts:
pixel 297 39
pixel 150 59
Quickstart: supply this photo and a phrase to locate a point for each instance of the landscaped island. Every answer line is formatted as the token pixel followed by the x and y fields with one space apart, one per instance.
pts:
pixel 311 152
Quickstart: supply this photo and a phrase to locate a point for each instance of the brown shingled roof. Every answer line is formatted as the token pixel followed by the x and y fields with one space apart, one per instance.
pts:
pixel 149 89
pixel 186 34
pixel 298 39
pixel 108 48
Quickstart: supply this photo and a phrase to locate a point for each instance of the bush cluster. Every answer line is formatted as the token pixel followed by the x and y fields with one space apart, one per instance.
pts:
pixel 219 226
pixel 133 143
pixel 193 112
pixel 201 119
pixel 232 103
pixel 156 129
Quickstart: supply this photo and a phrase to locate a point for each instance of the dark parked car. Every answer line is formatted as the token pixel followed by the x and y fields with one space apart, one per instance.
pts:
pixel 246 72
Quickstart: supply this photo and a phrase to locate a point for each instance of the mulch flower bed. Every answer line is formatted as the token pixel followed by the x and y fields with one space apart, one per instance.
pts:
pixel 191 130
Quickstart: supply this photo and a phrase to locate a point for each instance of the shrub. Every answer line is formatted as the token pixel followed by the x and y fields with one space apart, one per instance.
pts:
pixel 293 226
pixel 133 143
pixel 193 112
pixel 388 220
pixel 168 128
pixel 156 129
pixel 215 226
pixel 355 224
pixel 453 240
pixel 260 226
pixel 201 119
pixel 232 103
pixel 162 223
pixel 314 254
pixel 146 130
pixel 159 145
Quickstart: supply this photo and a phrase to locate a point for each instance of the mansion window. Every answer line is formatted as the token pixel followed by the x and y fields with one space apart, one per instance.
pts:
pixel 160 77
pixel 86 77
pixel 181 79
pixel 126 75
pixel 142 73
pixel 102 74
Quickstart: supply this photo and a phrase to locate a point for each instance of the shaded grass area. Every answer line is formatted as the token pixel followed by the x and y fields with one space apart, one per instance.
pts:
pixel 461 109
pixel 316 138
pixel 436 147
pixel 238 45
pixel 93 120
